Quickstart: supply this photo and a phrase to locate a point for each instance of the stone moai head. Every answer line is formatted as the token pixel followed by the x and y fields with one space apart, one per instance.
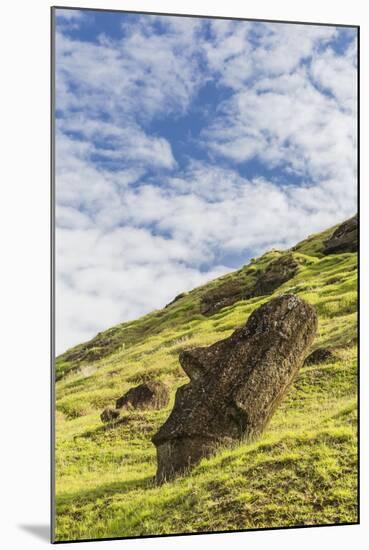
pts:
pixel 235 384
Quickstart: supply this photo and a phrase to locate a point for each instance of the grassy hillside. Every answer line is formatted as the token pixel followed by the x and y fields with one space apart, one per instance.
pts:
pixel 303 469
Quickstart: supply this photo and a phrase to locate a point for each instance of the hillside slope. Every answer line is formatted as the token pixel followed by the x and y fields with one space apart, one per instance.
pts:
pixel 302 471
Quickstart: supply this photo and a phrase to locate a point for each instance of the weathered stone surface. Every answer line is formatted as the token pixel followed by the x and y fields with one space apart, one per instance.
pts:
pixel 228 293
pixel 109 414
pixel 277 272
pixel 150 395
pixel 320 355
pixel 235 384
pixel 343 239
pixel 224 295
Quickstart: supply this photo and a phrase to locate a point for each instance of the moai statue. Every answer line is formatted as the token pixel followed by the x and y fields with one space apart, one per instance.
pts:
pixel 235 384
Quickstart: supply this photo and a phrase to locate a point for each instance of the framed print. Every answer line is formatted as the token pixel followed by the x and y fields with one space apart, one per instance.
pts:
pixel 205 274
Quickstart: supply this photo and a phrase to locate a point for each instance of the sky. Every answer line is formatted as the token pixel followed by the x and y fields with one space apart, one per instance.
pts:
pixel 187 146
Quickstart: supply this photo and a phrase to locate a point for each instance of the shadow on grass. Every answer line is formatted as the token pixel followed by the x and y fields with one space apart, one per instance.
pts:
pixel 128 419
pixel 111 489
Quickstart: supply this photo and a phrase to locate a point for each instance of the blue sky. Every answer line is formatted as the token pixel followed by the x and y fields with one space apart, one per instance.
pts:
pixel 186 146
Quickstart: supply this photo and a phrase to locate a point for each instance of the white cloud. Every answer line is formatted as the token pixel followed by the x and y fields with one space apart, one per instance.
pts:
pixel 254 214
pixel 105 278
pixel 239 51
pixel 130 238
pixel 71 218
pixel 144 73
pixel 128 142
pixel 286 121
pixel 282 47
pixel 337 75
pixel 69 14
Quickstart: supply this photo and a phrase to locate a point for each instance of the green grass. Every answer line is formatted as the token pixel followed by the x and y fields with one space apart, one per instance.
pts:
pixel 302 471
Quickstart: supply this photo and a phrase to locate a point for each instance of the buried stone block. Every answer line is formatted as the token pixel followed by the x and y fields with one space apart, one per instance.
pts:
pixel 277 272
pixel 320 355
pixel 149 395
pixel 109 415
pixel 235 384
pixel 344 238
